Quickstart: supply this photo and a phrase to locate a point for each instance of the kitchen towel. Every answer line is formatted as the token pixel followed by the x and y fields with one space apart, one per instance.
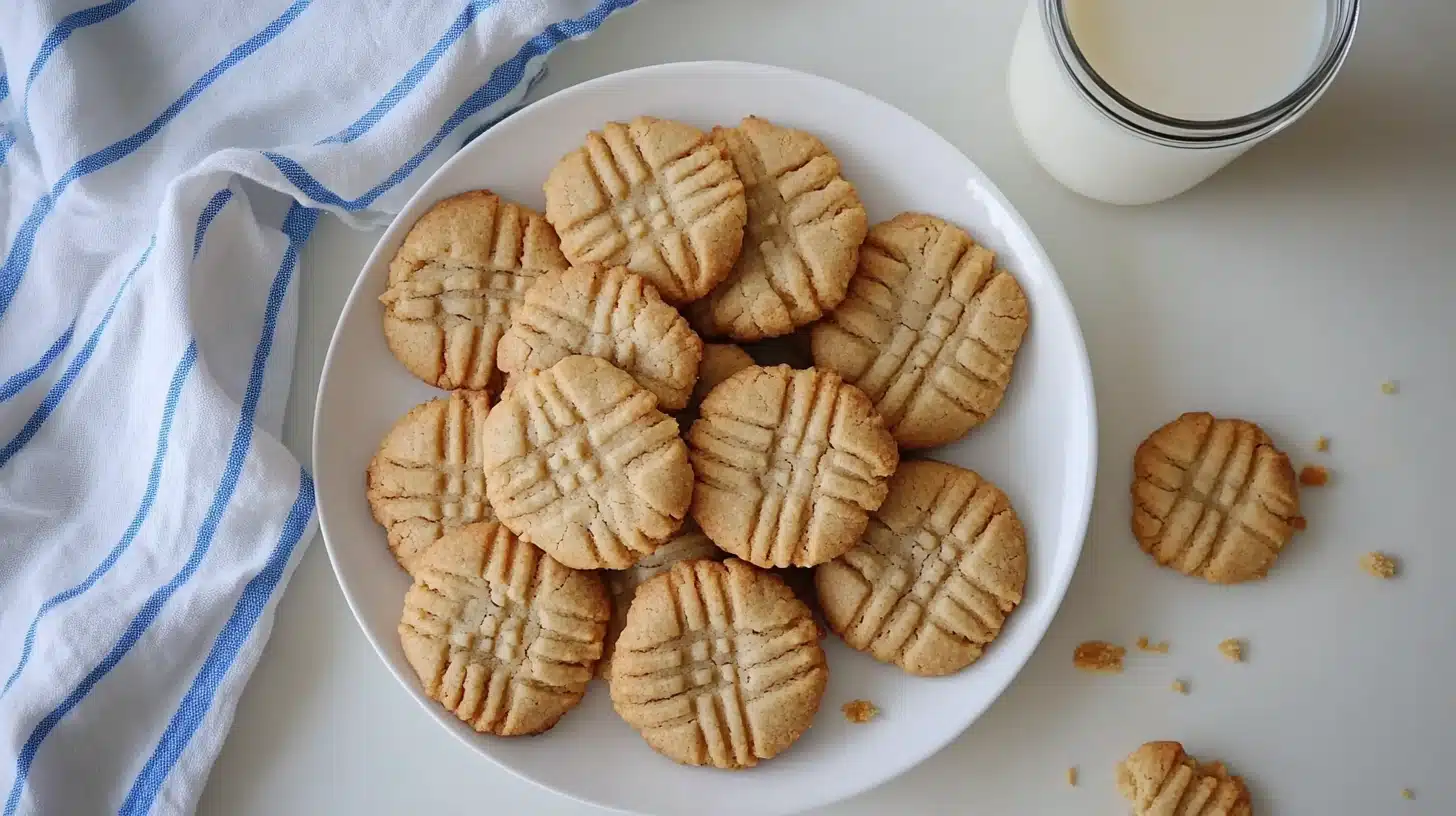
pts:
pixel 162 162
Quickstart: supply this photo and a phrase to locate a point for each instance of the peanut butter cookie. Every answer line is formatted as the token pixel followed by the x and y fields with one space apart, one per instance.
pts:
pixel 655 196
pixel 1213 498
pixel 805 225
pixel 941 566
pixel 427 478
pixel 609 313
pixel 579 462
pixel 719 665
pixel 499 633
pixel 455 282
pixel 789 465
pixel 1161 780
pixel 929 330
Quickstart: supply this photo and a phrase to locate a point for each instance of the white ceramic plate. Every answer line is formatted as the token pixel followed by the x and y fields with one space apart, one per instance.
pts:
pixel 1040 447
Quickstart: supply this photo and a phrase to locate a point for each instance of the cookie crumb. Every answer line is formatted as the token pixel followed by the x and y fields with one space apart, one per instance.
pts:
pixel 1144 645
pixel 1072 777
pixel 1407 793
pixel 1099 656
pixel 860 711
pixel 1179 686
pixel 1233 649
pixel 1314 476
pixel 1322 444
pixel 1299 523
pixel 1378 564
pixel 1390 387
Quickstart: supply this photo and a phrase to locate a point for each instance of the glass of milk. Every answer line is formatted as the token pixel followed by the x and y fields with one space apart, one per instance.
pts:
pixel 1135 101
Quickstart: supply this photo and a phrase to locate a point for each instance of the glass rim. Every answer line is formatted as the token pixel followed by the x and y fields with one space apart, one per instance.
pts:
pixel 1195 133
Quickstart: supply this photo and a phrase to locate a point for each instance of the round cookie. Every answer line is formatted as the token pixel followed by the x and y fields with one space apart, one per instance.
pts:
pixel 789 464
pixel 609 313
pixel 939 569
pixel 499 633
pixel 1160 779
pixel 805 225
pixel 579 462
pixel 1213 498
pixel 688 545
pixel 929 329
pixel 456 279
pixel 426 480
pixel 719 665
pixel 655 196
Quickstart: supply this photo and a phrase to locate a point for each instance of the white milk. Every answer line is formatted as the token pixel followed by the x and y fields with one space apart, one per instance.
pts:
pixel 1201 60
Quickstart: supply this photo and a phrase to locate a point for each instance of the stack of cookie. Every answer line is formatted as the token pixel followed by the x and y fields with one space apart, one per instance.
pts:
pixel 573 530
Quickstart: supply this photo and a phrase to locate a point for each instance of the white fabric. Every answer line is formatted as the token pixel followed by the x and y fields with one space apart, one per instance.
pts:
pixel 161 164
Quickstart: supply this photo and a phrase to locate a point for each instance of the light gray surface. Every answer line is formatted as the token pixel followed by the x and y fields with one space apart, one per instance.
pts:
pixel 1286 289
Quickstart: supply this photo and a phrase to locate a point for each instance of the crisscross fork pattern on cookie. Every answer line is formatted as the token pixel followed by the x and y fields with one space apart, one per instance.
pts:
pixel 427 478
pixel 788 474
pixel 510 645
pixel 714 679
pixel 650 184
pixel 1212 497
pixel 575 470
pixel 805 224
pixel 922 332
pixel 613 314
pixel 934 577
pixel 451 298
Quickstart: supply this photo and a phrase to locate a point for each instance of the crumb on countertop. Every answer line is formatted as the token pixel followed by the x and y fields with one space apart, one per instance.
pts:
pixel 1322 444
pixel 1390 387
pixel 1072 776
pixel 1233 649
pixel 1099 656
pixel 1379 564
pixel 1407 793
pixel 1179 686
pixel 1314 476
pixel 1143 644
pixel 860 711
pixel 1299 523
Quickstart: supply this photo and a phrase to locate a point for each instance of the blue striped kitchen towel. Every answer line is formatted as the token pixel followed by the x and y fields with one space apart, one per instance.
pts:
pixel 162 162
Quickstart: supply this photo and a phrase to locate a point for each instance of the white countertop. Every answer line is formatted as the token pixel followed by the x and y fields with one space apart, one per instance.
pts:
pixel 1286 290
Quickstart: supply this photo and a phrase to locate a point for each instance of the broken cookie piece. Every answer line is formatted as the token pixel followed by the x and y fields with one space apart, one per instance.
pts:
pixel 860 711
pixel 1099 656
pixel 1379 564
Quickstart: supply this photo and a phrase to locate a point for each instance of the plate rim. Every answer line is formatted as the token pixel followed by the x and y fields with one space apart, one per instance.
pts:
pixel 1055 592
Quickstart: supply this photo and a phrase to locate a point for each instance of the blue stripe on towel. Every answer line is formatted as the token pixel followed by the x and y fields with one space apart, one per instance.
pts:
pixel 53 397
pixel 298 224
pixel 20 380
pixel 64 29
pixel 414 75
pixel 502 80
pixel 189 357
pixel 18 258
pixel 235 633
pixel 149 496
